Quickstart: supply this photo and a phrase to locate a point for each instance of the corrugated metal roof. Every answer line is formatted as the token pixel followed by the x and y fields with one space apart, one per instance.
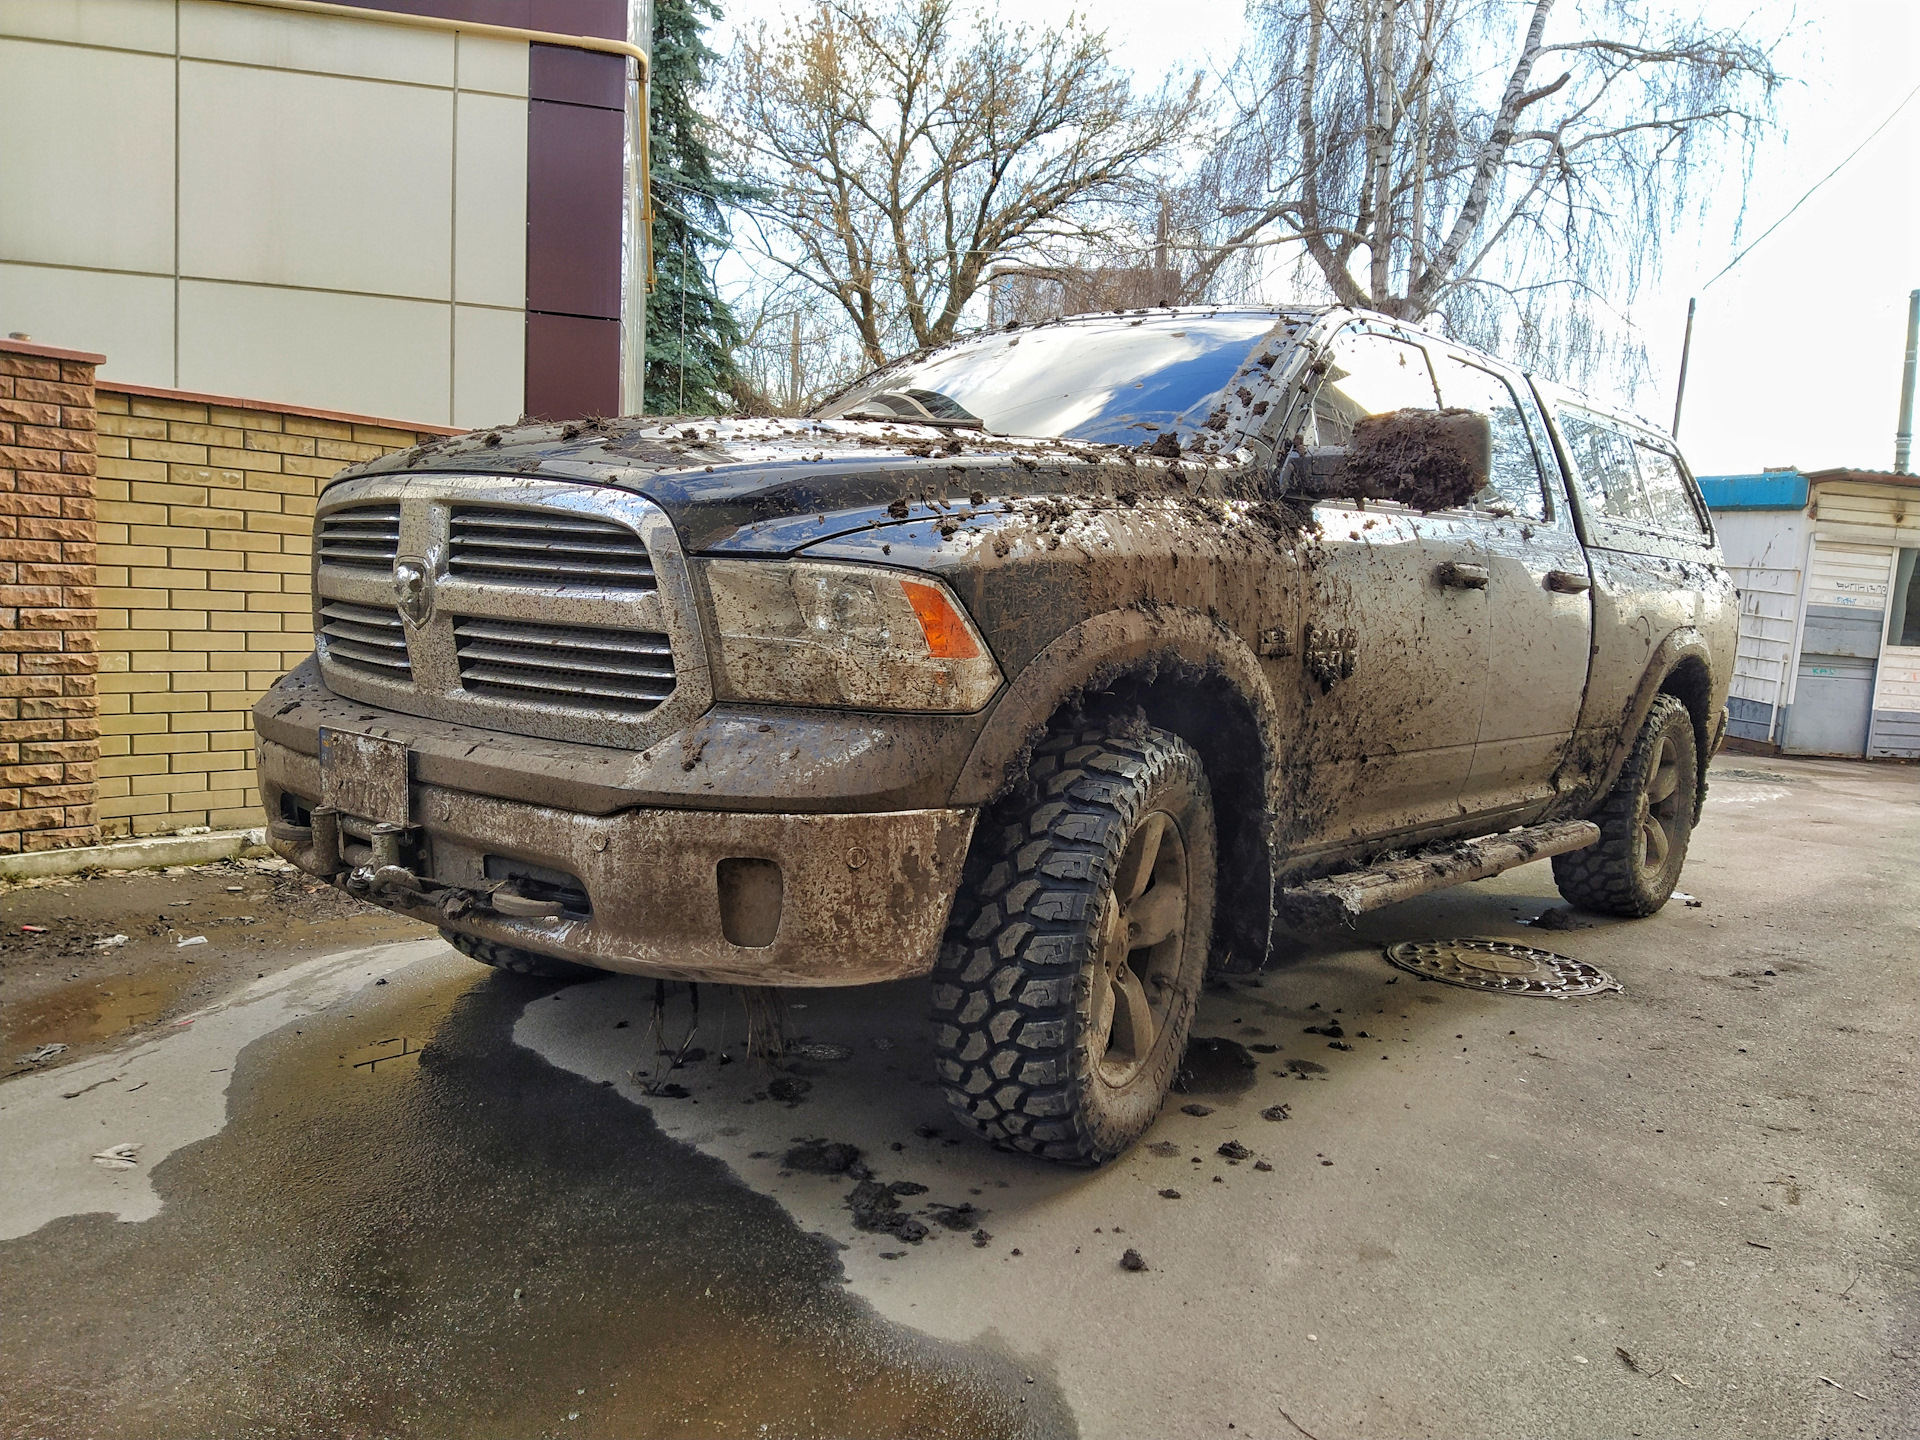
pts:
pixel 1769 490
pixel 1865 477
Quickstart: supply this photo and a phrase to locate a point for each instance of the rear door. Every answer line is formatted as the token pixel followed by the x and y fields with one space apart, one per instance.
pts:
pixel 1538 593
pixel 1392 673
pixel 1654 564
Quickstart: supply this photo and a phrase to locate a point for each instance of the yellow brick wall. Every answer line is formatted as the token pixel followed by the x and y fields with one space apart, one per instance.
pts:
pixel 205 512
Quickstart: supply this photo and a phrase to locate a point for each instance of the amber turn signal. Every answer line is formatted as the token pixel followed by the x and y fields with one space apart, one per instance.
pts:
pixel 949 637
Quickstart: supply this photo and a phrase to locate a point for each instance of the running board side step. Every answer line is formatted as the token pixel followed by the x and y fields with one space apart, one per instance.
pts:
pixel 1344 898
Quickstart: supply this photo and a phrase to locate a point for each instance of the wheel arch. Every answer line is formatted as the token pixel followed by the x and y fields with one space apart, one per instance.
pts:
pixel 1680 666
pixel 1188 674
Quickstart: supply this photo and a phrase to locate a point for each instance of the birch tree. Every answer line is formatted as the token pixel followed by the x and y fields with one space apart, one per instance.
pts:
pixel 1483 157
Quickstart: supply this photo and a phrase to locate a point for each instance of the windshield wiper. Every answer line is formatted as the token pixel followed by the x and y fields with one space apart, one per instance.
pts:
pixel 939 421
pixel 912 407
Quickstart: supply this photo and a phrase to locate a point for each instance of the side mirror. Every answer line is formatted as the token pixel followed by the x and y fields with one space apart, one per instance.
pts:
pixel 1424 459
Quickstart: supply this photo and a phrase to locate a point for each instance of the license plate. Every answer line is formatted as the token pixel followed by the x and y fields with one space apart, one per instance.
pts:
pixel 364 775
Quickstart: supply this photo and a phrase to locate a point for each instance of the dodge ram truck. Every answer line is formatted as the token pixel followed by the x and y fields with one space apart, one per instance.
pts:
pixel 1064 665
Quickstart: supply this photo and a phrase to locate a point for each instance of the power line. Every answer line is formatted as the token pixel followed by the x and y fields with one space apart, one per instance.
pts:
pixel 1816 185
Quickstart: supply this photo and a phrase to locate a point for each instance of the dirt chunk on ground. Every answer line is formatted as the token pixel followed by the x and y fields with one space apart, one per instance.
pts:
pixel 822 1157
pixel 1215 1065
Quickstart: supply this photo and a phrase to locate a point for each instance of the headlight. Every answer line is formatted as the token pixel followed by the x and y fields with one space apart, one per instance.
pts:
pixel 796 633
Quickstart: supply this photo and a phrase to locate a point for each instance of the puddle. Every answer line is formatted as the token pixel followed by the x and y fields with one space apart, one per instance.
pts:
pixel 95 1009
pixel 410 1224
pixel 1214 1065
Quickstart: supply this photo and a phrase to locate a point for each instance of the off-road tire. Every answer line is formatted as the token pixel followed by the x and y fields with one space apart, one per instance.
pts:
pixel 1022 967
pixel 513 958
pixel 1614 876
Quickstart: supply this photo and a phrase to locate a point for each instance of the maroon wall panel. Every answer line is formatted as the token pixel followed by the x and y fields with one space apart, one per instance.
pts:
pixel 573 366
pixel 578 77
pixel 575 194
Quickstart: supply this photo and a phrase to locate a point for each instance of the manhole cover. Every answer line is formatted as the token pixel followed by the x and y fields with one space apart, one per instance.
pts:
pixel 1501 965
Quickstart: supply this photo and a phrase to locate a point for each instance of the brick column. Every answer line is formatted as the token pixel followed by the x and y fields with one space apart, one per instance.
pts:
pixel 49 719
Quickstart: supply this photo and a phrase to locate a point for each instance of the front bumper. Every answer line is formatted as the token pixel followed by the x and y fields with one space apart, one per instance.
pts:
pixel 820 899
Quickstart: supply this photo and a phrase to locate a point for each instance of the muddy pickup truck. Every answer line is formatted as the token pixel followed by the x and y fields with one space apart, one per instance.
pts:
pixel 1065 665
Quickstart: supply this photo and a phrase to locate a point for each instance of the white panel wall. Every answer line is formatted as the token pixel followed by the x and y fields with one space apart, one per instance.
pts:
pixel 86 157
pixel 350 226
pixel 1769 609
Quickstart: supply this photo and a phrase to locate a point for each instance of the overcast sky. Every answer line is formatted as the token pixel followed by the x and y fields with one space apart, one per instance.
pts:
pixel 1797 352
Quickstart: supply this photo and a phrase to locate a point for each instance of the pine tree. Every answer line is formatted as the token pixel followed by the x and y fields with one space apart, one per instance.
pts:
pixel 691 334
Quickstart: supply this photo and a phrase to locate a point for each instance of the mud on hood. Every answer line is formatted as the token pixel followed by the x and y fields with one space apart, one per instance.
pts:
pixel 773 486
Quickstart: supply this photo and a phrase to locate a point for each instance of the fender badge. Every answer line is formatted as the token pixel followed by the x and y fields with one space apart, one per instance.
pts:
pixel 1331 654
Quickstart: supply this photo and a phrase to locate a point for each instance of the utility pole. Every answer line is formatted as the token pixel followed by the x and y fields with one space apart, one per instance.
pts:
pixel 1686 352
pixel 1903 437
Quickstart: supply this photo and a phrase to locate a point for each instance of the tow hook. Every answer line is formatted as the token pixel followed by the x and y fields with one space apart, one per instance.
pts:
pixel 314 848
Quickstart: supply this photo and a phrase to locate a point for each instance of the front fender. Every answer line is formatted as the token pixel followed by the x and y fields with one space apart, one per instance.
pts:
pixel 1189 674
pixel 1091 657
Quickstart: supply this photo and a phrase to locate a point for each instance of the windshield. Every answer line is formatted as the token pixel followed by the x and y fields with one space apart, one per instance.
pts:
pixel 1111 379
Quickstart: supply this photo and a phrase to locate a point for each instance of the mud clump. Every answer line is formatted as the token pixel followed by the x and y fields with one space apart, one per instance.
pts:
pixel 957 1217
pixel 822 1157
pixel 1306 1067
pixel 1429 459
pixel 790 1088
pixel 1214 1065
pixel 1558 918
pixel 1132 1261
pixel 876 1209
pixel 1277 1112
pixel 1233 1150
pixel 1199 1112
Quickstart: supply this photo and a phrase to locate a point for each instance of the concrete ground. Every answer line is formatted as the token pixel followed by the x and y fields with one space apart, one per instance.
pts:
pixel 382 1190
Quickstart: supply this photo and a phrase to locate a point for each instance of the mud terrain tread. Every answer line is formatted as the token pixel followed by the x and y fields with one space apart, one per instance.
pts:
pixel 1007 985
pixel 1605 876
pixel 516 960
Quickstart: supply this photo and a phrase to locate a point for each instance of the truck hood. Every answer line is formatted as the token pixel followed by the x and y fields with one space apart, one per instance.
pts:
pixel 776 486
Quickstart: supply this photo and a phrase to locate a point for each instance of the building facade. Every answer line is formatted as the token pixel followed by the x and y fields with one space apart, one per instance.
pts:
pixel 417 209
pixel 1829 656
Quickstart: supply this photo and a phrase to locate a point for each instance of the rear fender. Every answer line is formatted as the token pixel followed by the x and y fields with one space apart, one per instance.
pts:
pixel 1682 652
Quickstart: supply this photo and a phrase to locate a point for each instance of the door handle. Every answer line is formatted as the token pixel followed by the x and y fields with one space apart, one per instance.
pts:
pixel 1457 576
pixel 1567 582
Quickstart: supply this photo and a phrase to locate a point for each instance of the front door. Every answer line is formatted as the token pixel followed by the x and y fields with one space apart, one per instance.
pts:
pixel 1394 653
pixel 1539 594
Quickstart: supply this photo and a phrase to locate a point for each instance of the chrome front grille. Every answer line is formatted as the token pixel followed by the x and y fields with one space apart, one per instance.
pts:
pixel 361 637
pixel 509 603
pixel 625 670
pixel 546 547
pixel 365 537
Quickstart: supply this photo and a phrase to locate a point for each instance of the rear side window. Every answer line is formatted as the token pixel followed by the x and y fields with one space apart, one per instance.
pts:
pixel 1669 504
pixel 1624 477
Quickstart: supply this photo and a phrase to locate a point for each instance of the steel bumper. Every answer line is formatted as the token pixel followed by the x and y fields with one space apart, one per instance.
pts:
pixel 831 899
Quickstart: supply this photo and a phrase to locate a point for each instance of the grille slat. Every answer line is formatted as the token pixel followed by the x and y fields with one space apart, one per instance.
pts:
pixel 525 548
pixel 363 638
pixel 366 537
pixel 564 664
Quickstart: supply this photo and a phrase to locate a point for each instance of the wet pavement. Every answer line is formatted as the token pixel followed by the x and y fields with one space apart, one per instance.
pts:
pixel 390 1192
